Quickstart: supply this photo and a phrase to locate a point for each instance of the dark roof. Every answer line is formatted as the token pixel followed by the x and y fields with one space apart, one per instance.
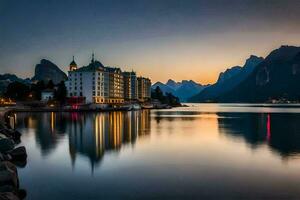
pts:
pixel 113 69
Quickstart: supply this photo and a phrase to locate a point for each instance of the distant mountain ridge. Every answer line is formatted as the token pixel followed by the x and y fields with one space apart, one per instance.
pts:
pixel 183 90
pixel 227 80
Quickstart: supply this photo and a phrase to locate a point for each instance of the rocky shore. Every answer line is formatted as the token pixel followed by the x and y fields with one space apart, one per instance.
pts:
pixel 11 157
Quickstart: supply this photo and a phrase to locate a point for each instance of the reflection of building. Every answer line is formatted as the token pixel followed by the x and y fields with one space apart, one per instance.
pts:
pixel 48 128
pixel 144 89
pixel 144 122
pixel 92 135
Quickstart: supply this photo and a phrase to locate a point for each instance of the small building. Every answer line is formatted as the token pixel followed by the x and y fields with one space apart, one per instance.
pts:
pixel 47 95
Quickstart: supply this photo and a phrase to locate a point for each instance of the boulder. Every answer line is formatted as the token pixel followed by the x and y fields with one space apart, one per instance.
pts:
pixel 6 145
pixel 10 133
pixel 10 189
pixel 18 153
pixel 8 177
pixel 17 156
pixel 8 196
pixel 6 165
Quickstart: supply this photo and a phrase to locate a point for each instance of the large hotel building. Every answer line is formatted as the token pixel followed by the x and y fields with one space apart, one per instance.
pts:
pixel 96 83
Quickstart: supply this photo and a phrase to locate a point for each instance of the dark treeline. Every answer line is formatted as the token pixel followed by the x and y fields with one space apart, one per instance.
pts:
pixel 167 98
pixel 24 92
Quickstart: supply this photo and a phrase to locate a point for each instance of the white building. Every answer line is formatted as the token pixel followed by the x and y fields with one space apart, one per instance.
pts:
pixel 90 82
pixel 47 95
pixel 105 85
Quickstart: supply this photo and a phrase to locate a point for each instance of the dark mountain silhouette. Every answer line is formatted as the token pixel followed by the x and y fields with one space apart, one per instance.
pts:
pixel 227 80
pixel 183 90
pixel 47 70
pixel 277 77
pixel 229 73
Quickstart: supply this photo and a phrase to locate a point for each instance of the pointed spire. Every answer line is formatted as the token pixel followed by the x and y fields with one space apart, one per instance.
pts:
pixel 73 58
pixel 93 57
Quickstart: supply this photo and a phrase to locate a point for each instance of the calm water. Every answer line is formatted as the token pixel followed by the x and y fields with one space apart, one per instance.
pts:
pixel 199 152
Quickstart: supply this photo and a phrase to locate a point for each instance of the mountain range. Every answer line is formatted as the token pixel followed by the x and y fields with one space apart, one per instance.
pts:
pixel 183 90
pixel 276 77
pixel 260 80
pixel 227 80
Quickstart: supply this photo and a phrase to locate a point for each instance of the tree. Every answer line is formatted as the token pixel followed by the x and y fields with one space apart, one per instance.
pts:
pixel 172 100
pixel 168 98
pixel 36 89
pixel 157 94
pixel 50 85
pixel 61 92
pixel 17 91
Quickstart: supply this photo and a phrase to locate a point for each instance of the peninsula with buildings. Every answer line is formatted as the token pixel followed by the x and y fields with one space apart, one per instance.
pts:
pixel 90 87
pixel 98 84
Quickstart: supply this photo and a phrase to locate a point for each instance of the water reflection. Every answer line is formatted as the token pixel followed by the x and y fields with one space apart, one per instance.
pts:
pixel 92 135
pixel 47 127
pixel 281 132
pixel 103 132
pixel 89 134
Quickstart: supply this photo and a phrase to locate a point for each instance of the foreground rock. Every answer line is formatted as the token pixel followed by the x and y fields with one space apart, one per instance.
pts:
pixel 9 157
pixel 6 145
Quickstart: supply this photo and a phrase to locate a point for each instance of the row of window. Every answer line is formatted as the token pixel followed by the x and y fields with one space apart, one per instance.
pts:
pixel 100 100
pixel 75 94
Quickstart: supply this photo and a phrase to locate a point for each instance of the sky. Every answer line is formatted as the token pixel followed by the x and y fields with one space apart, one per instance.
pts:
pixel 159 39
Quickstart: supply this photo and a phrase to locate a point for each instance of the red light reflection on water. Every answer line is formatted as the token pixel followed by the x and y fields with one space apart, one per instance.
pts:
pixel 74 116
pixel 268 127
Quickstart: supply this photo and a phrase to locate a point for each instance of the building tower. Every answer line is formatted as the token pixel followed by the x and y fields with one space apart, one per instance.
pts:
pixel 73 65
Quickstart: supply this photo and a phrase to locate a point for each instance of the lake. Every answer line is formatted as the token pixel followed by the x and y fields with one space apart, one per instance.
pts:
pixel 204 151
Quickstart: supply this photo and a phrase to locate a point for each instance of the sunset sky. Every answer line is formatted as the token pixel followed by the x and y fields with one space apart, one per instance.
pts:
pixel 178 39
